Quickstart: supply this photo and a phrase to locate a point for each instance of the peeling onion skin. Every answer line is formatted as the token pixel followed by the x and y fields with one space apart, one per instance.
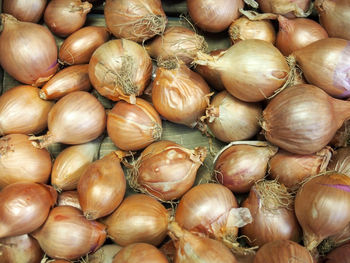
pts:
pixel 69 198
pixel 25 10
pixel 288 8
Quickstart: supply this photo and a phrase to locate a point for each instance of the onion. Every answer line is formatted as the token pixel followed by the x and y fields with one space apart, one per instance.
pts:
pixel 339 255
pixel 69 198
pixel 291 169
pixel 283 251
pixel 211 209
pixel 342 136
pixel 192 248
pixel 24 10
pixel 271 207
pixel 166 170
pixel 334 17
pixel 287 125
pixel 340 161
pixel 22 111
pixel 37 60
pixel 136 20
pixel 76 118
pixel 67 234
pixel 132 127
pixel 240 164
pixel 79 46
pixel 70 79
pixel 241 69
pixel 294 34
pixel 214 16
pixel 24 207
pixel 63 17
pixel 230 119
pixel 177 42
pixel 105 254
pixel 120 68
pixel 322 207
pixel 169 250
pixel 334 241
pixel 243 29
pixel 21 161
pixel 140 252
pixel 23 249
pixel 139 218
pixel 325 64
pixel 288 8
pixel 180 95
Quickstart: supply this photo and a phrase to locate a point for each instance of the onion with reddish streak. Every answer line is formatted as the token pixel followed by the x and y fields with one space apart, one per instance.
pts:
pixel 25 10
pixel 139 252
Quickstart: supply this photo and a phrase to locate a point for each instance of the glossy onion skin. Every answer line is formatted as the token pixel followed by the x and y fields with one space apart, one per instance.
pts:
pixel 69 198
pixel 25 10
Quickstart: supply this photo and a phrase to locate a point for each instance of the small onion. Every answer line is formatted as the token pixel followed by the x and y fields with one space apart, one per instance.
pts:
pixel 70 79
pixel 22 111
pixel 139 218
pixel 37 60
pixel 294 34
pixel 339 255
pixel 67 234
pixel 133 127
pixel 180 95
pixel 166 170
pixel 136 20
pixel 288 8
pixel 69 198
pixel 79 46
pixel 340 161
pixel 105 254
pixel 24 207
pixel 322 206
pixel 20 161
pixel 25 10
pixel 120 68
pixel 140 252
pixel 240 164
pixel 63 17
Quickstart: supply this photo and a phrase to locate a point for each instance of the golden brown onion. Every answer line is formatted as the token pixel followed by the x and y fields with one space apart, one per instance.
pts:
pixel 288 8
pixel 69 198
pixel 105 254
pixel 25 10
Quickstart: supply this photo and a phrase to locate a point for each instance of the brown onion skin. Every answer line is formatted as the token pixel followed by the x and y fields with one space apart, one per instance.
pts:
pixel 79 46
pixel 136 20
pixel 339 255
pixel 133 127
pixel 20 161
pixel 342 136
pixel 139 218
pixel 214 16
pixel 24 207
pixel 64 225
pixel 340 161
pixel 25 10
pixel 325 64
pixel 283 251
pixel 22 111
pixel 38 57
pixel 63 17
pixel 283 116
pixel 320 203
pixel 288 8
pixel 69 198
pixel 294 34
pixel 73 78
pixel 23 248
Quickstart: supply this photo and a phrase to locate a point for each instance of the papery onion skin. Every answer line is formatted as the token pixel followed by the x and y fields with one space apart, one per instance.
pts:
pixel 297 33
pixel 24 207
pixel 79 46
pixel 38 57
pixel 120 68
pixel 136 20
pixel 339 255
pixel 25 10
pixel 67 234
pixel 104 254
pixel 22 111
pixel 69 198
pixel 63 17
pixel 133 127
pixel 288 8
pixel 139 218
pixel 69 79
pixel 20 161
pixel 342 136
pixel 322 207
pixel 340 161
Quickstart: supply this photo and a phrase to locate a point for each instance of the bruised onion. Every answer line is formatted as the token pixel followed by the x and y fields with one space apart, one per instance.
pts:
pixel 288 8
pixel 339 255
pixel 24 207
pixel 21 161
pixel 136 20
pixel 322 207
pixel 340 161
pixel 69 198
pixel 166 170
pixel 37 59
pixel 25 10
pixel 139 218
pixel 22 111
pixel 120 68
pixel 303 119
pixel 63 17
pixel 67 234
pixel 240 164
pixel 104 254
pixel 139 252
pixel 73 78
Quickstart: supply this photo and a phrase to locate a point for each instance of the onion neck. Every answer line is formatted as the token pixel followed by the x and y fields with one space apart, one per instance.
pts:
pixel 7 19
pixel 341 111
pixel 42 141
pixel 311 241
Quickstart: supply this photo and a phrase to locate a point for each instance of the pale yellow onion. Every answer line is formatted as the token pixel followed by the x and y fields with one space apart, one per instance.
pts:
pixel 140 252
pixel 25 10
pixel 104 254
